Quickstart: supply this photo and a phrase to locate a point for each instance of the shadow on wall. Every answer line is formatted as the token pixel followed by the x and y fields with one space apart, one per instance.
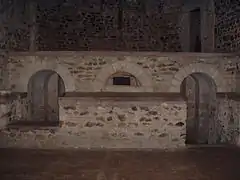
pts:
pixel 200 90
pixel 44 88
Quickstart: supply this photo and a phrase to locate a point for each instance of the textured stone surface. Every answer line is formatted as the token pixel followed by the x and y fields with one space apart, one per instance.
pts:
pixel 89 71
pixel 89 123
pixel 136 26
pixel 227 26
pixel 228 120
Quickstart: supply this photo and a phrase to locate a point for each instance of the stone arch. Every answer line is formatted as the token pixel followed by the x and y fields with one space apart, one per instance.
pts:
pixel 141 75
pixel 30 69
pixel 200 90
pixel 209 70
pixel 44 88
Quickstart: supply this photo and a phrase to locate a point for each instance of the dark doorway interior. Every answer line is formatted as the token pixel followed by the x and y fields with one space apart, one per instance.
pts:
pixel 195 30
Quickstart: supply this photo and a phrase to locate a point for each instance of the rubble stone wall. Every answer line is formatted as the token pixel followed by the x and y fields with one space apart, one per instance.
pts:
pixel 89 71
pixel 106 123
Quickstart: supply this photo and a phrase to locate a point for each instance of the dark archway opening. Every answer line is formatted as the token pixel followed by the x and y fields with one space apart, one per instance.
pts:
pixel 195 30
pixel 199 90
pixel 44 88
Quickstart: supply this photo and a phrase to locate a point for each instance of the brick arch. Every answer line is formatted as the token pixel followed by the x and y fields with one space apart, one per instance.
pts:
pixel 209 70
pixel 30 69
pixel 141 75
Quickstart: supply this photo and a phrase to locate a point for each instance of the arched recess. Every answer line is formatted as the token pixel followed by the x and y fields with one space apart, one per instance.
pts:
pixel 135 70
pixel 199 91
pixel 209 70
pixel 203 12
pixel 29 69
pixel 44 88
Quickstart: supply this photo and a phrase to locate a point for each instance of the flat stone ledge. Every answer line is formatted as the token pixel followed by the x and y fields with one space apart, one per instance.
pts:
pixel 33 124
pixel 126 96
pixel 122 53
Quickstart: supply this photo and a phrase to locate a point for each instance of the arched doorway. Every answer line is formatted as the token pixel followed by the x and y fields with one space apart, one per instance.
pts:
pixel 44 88
pixel 199 91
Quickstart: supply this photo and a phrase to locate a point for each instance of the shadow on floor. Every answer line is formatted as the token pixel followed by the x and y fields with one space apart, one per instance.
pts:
pixel 204 163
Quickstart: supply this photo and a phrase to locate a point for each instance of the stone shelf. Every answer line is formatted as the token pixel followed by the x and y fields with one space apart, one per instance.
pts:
pixel 125 96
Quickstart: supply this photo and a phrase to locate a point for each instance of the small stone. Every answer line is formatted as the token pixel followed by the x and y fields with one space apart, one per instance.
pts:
pixel 84 113
pixel 121 117
pixel 165 105
pixel 154 113
pixel 182 135
pixel 134 108
pixel 154 130
pixel 180 124
pixel 148 120
pixel 144 108
pixel 163 135
pixel 99 124
pixel 69 107
pixel 109 118
pixel 139 134
pixel 70 124
pixel 90 124
pixel 142 119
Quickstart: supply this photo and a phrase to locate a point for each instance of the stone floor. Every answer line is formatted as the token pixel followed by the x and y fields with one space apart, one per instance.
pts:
pixel 192 164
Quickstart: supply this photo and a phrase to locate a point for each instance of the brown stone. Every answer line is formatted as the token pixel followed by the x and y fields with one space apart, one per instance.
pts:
pixel 109 118
pixel 163 135
pixel 70 107
pixel 122 117
pixel 139 134
pixel 84 113
pixel 152 113
pixel 179 124
pixel 90 124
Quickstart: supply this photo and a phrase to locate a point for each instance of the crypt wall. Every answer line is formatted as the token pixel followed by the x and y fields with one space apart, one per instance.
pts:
pixel 93 113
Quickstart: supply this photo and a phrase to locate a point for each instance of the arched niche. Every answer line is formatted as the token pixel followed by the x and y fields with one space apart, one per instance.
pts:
pixel 31 68
pixel 123 79
pixel 199 91
pixel 143 78
pixel 198 26
pixel 44 88
pixel 207 69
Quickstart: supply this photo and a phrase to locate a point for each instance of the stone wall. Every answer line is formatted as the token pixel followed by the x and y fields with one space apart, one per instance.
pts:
pixel 107 123
pixel 13 108
pixel 142 26
pixel 89 71
pixel 227 120
pixel 91 25
pixel 227 25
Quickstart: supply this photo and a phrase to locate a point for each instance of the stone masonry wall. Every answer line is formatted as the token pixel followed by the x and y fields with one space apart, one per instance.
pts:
pixel 153 25
pixel 13 108
pixel 227 120
pixel 227 25
pixel 92 25
pixel 88 71
pixel 105 123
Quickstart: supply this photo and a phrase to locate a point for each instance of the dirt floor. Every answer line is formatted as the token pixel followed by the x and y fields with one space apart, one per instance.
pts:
pixel 192 164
